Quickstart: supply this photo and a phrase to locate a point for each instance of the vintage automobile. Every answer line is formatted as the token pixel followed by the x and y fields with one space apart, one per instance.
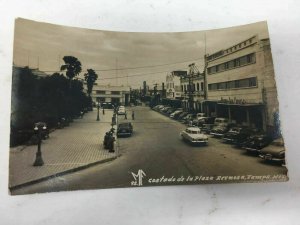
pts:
pixel 219 130
pixel 121 110
pixel 237 135
pixel 256 142
pixel 274 152
pixel 194 136
pixel 165 109
pixel 203 120
pixel 177 112
pixel 189 117
pixel 181 115
pixel 124 129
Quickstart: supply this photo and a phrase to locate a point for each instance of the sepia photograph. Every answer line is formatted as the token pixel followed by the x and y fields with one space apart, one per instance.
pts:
pixel 95 109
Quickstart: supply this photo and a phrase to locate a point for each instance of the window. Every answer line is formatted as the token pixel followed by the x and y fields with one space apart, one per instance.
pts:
pixel 115 92
pixel 100 99
pixel 226 65
pixel 244 83
pixel 252 82
pixel 198 87
pixel 182 88
pixel 217 68
pixel 209 70
pixel 222 85
pixel 230 84
pixel 100 92
pixel 237 62
pixel 202 86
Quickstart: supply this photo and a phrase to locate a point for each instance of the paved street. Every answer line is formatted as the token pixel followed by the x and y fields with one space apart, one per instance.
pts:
pixel 156 148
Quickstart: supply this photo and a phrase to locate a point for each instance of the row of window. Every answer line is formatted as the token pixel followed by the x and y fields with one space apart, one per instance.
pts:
pixel 243 83
pixel 104 92
pixel 241 61
pixel 229 50
pixel 193 87
pixel 113 100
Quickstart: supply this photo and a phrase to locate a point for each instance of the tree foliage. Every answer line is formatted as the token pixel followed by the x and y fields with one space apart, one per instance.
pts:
pixel 72 66
pixel 46 99
pixel 90 77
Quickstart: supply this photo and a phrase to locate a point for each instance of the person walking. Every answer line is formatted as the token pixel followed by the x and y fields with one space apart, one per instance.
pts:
pixel 132 115
pixel 103 112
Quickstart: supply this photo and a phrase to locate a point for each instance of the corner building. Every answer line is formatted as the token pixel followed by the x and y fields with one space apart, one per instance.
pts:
pixel 240 84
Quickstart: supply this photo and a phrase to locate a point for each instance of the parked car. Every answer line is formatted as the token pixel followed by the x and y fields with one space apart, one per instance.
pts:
pixel 220 120
pixel 121 110
pixel 203 120
pixel 177 112
pixel 181 115
pixel 237 135
pixel 124 129
pixel 206 128
pixel 165 109
pixel 219 130
pixel 256 142
pixel 274 152
pixel 194 136
pixel 169 111
pixel 156 108
pixel 189 117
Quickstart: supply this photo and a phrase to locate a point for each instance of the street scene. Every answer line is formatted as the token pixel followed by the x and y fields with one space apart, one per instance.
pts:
pixel 143 117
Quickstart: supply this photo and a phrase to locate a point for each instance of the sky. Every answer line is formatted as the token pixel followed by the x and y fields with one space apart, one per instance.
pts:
pixel 117 57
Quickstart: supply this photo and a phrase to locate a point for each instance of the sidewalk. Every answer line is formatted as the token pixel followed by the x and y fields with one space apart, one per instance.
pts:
pixel 69 149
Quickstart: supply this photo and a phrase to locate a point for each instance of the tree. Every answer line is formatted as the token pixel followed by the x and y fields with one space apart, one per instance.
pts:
pixel 90 77
pixel 72 66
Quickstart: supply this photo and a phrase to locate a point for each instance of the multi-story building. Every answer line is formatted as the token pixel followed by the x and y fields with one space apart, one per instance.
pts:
pixel 119 95
pixel 173 90
pixel 241 85
pixel 192 89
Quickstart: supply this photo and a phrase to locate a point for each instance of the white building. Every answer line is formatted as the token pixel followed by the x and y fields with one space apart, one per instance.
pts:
pixel 241 85
pixel 119 95
pixel 173 89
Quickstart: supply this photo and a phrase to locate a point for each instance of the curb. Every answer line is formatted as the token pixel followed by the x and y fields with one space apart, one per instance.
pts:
pixel 62 173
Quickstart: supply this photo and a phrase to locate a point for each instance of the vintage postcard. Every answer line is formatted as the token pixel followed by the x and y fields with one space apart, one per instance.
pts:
pixel 101 109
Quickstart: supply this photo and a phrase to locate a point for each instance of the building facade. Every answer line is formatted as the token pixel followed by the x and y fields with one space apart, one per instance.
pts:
pixel 173 90
pixel 192 89
pixel 241 85
pixel 119 95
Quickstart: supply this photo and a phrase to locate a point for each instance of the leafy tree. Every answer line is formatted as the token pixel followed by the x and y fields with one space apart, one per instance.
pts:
pixel 72 66
pixel 90 77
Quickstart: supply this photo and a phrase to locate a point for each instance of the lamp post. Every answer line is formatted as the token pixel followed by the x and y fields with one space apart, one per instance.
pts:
pixel 39 127
pixel 98 107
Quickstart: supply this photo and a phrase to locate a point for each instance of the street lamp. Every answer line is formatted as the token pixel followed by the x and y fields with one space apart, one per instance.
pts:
pixel 39 128
pixel 98 107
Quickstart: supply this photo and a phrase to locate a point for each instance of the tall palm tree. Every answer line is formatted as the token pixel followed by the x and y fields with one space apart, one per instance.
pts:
pixel 90 77
pixel 72 66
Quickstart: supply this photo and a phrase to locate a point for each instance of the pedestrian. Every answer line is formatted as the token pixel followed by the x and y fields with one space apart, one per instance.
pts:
pixel 106 140
pixel 125 115
pixel 132 115
pixel 111 143
pixel 103 112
